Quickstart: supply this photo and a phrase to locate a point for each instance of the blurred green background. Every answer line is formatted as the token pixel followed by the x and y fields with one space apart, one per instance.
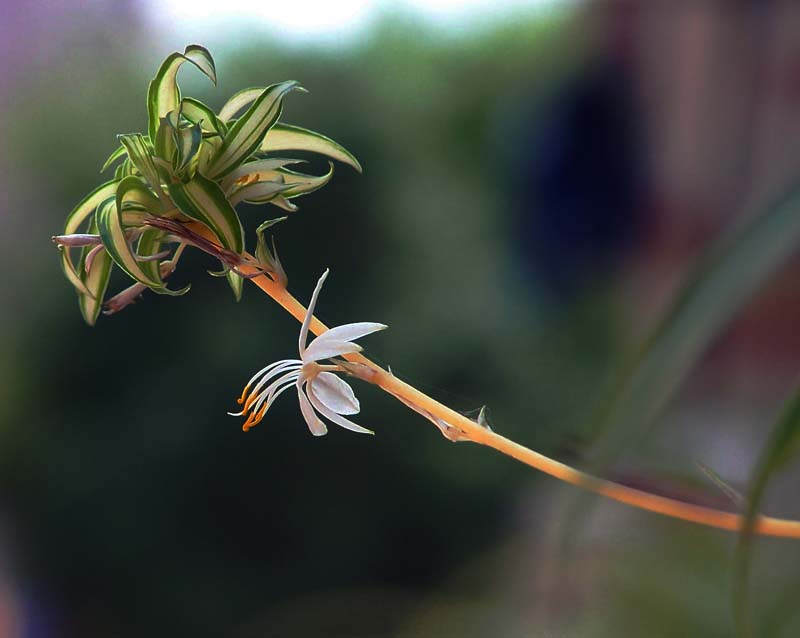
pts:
pixel 539 178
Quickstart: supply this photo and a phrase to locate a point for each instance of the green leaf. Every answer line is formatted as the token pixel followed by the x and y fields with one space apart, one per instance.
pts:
pixel 186 140
pixel 246 135
pixel 150 244
pixel 163 94
pixel 198 113
pixel 263 170
pixel 259 192
pixel 304 184
pixel 204 201
pixel 133 195
pixel 120 152
pixel 95 282
pixel 141 152
pixel 730 275
pixel 783 445
pixel 285 137
pixel 201 58
pixel 75 219
pixel 236 283
pixel 238 101
pixel 109 224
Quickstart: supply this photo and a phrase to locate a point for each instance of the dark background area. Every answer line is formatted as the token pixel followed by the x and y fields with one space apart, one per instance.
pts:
pixel 534 191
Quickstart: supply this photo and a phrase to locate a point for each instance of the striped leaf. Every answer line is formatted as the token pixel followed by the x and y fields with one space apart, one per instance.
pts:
pixel 303 184
pixel 204 201
pixel 95 282
pixel 163 94
pixel 238 101
pixel 133 195
pixel 141 152
pixel 258 171
pixel 783 446
pixel 285 137
pixel 201 58
pixel 150 244
pixel 246 135
pixel 109 225
pixel 75 220
pixel 198 113
pixel 236 283
pixel 259 192
pixel 120 152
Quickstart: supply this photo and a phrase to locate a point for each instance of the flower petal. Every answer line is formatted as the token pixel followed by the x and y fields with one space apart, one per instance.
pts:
pixel 330 414
pixel 317 427
pixel 319 350
pixel 310 313
pixel 335 393
pixel 351 331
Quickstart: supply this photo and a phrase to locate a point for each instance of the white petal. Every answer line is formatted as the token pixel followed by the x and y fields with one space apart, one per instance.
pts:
pixel 319 350
pixel 317 427
pixel 330 414
pixel 310 313
pixel 335 393
pixel 351 331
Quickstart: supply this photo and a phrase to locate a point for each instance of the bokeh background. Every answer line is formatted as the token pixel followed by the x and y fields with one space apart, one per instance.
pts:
pixel 539 179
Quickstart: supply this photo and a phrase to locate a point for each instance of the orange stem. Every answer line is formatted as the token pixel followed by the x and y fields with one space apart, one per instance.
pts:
pixel 708 516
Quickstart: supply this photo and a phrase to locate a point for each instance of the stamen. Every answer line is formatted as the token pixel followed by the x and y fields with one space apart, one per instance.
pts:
pixel 289 378
pixel 287 364
pixel 263 370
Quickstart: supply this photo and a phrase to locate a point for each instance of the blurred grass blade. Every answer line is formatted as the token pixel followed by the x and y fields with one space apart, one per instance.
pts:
pixel 95 282
pixel 163 94
pixel 285 137
pixel 246 135
pixel 731 274
pixel 75 219
pixel 734 495
pixel 203 200
pixel 120 152
pixel 238 101
pixel 783 445
pixel 109 225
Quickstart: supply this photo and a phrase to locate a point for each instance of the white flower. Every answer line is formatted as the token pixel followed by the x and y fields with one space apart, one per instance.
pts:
pixel 319 390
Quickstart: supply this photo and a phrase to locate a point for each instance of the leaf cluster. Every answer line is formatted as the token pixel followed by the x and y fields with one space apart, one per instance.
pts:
pixel 193 165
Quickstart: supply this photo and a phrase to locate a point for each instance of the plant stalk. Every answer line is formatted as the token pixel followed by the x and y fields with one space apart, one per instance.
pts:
pixel 472 431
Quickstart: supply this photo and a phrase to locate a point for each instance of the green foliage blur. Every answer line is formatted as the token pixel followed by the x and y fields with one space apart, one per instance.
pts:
pixel 131 505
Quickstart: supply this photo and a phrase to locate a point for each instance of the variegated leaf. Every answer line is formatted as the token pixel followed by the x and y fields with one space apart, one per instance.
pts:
pixel 285 137
pixel 246 135
pixel 109 225
pixel 75 219
pixel 204 201
pixel 117 154
pixel 141 152
pixel 94 282
pixel 163 94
